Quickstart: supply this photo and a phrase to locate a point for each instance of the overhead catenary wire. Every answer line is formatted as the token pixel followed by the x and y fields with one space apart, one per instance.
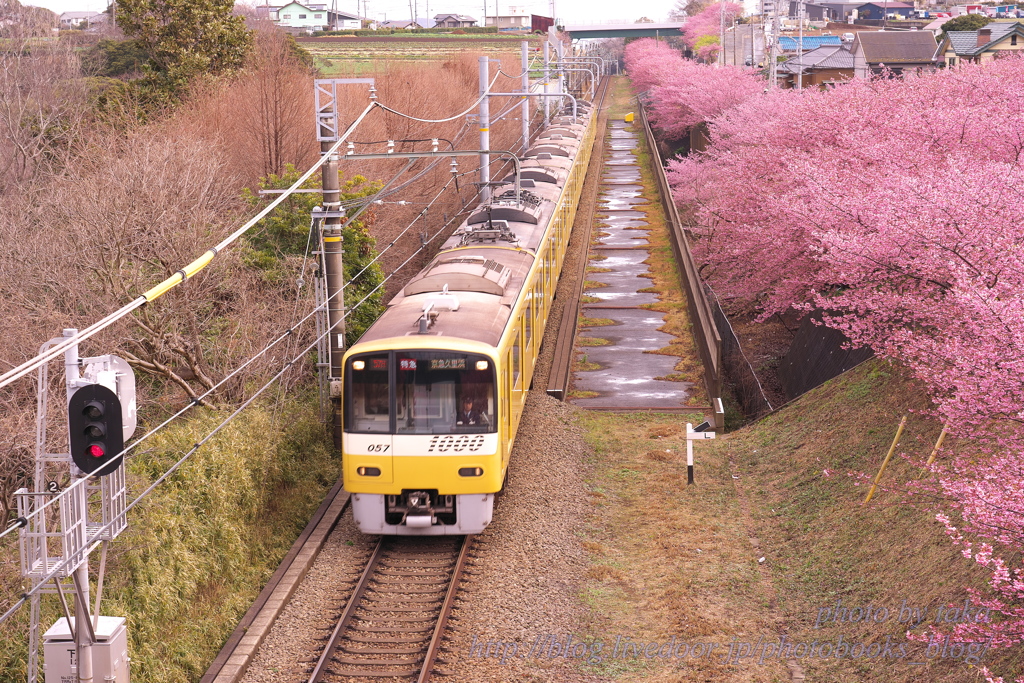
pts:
pixel 179 276
pixel 198 400
pixel 163 477
pixel 365 201
pixel 450 118
pixel 200 263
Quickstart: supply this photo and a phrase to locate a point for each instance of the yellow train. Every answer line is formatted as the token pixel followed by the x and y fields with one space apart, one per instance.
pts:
pixel 434 390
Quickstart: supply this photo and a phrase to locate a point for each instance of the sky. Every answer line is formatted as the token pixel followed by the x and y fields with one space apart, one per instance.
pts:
pixel 569 11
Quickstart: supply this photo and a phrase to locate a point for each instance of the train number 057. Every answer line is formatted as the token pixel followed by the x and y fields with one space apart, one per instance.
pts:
pixel 378 447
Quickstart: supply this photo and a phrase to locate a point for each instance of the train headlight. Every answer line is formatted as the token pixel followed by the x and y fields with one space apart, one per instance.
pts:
pixel 358 364
pixel 368 471
pixel 482 365
pixel 471 471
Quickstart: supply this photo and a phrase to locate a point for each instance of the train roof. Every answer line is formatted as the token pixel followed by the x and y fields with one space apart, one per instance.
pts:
pixel 472 290
pixel 473 283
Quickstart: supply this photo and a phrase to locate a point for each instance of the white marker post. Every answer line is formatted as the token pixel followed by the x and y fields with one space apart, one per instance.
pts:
pixel 691 435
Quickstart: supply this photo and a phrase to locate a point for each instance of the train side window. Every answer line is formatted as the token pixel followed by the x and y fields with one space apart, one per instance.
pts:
pixel 516 358
pixel 367 392
pixel 528 321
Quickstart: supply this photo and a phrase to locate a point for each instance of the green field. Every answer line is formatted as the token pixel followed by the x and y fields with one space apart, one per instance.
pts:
pixel 357 55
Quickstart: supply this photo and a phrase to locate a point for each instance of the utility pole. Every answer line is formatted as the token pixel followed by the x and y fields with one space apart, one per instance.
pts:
pixel 485 130
pixel 721 42
pixel 800 47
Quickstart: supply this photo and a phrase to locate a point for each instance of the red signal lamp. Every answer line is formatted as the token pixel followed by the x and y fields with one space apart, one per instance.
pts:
pixel 96 451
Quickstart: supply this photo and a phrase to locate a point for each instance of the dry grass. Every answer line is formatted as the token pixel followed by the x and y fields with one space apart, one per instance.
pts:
pixel 823 545
pixel 595 322
pixel 771 536
pixel 669 561
pixel 592 341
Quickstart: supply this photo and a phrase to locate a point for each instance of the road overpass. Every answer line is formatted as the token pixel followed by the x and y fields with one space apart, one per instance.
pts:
pixel 583 32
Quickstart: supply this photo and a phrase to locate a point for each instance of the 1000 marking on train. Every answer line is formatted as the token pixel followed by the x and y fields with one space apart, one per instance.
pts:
pixel 455 444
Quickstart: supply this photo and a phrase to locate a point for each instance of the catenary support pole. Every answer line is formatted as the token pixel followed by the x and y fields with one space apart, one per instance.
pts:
pixel 485 130
pixel 547 77
pixel 335 279
pixel 525 114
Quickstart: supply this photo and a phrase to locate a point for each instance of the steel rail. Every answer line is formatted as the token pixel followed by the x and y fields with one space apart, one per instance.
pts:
pixel 446 610
pixel 350 609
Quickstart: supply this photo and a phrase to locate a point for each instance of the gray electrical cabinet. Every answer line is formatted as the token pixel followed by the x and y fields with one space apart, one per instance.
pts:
pixel 109 653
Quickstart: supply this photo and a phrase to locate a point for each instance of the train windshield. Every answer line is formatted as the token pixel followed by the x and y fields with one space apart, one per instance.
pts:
pixel 367 394
pixel 420 392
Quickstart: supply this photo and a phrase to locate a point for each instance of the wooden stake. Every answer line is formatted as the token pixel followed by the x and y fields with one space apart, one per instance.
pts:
pixel 938 445
pixel 892 449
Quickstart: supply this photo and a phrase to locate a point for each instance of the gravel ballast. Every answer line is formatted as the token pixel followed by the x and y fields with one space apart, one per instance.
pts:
pixel 522 591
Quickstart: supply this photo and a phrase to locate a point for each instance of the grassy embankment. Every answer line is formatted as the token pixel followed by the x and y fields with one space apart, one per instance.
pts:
pixel 200 548
pixel 671 560
pixel 769 540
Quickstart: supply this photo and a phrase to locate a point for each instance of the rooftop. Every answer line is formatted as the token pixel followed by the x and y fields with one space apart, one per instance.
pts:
pixel 826 57
pixel 966 42
pixel 896 47
pixel 791 44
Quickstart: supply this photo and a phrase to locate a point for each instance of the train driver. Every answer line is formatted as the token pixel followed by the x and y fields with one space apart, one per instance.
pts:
pixel 468 415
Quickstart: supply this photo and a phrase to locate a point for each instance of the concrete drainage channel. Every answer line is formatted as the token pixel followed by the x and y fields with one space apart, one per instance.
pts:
pixel 627 368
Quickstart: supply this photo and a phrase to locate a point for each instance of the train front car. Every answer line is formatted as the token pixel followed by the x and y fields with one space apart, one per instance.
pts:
pixel 421 442
pixel 434 389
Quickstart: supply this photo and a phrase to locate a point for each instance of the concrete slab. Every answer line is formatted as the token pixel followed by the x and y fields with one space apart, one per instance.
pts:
pixel 628 368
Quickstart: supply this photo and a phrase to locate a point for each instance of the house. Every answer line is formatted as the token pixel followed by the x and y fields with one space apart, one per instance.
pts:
pixel 312 17
pixel 820 68
pixel 70 20
pixel 514 22
pixel 812 12
pixel 936 26
pixel 399 24
pixel 792 45
pixel 839 11
pixel 987 43
pixel 454 21
pixel 897 51
pixel 883 10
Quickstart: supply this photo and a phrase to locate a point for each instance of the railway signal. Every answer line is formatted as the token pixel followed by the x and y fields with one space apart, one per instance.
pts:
pixel 95 429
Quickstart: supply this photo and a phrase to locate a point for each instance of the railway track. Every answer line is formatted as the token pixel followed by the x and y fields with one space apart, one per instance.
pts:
pixel 395 619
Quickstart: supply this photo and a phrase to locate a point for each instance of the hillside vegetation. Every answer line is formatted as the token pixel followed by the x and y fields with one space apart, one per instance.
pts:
pixel 773 536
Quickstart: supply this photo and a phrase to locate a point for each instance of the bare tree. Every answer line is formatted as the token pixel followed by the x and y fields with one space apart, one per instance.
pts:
pixel 42 105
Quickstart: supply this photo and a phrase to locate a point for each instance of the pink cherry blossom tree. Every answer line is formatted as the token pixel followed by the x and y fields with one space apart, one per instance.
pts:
pixel 681 92
pixel 650 62
pixel 701 32
pixel 895 206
